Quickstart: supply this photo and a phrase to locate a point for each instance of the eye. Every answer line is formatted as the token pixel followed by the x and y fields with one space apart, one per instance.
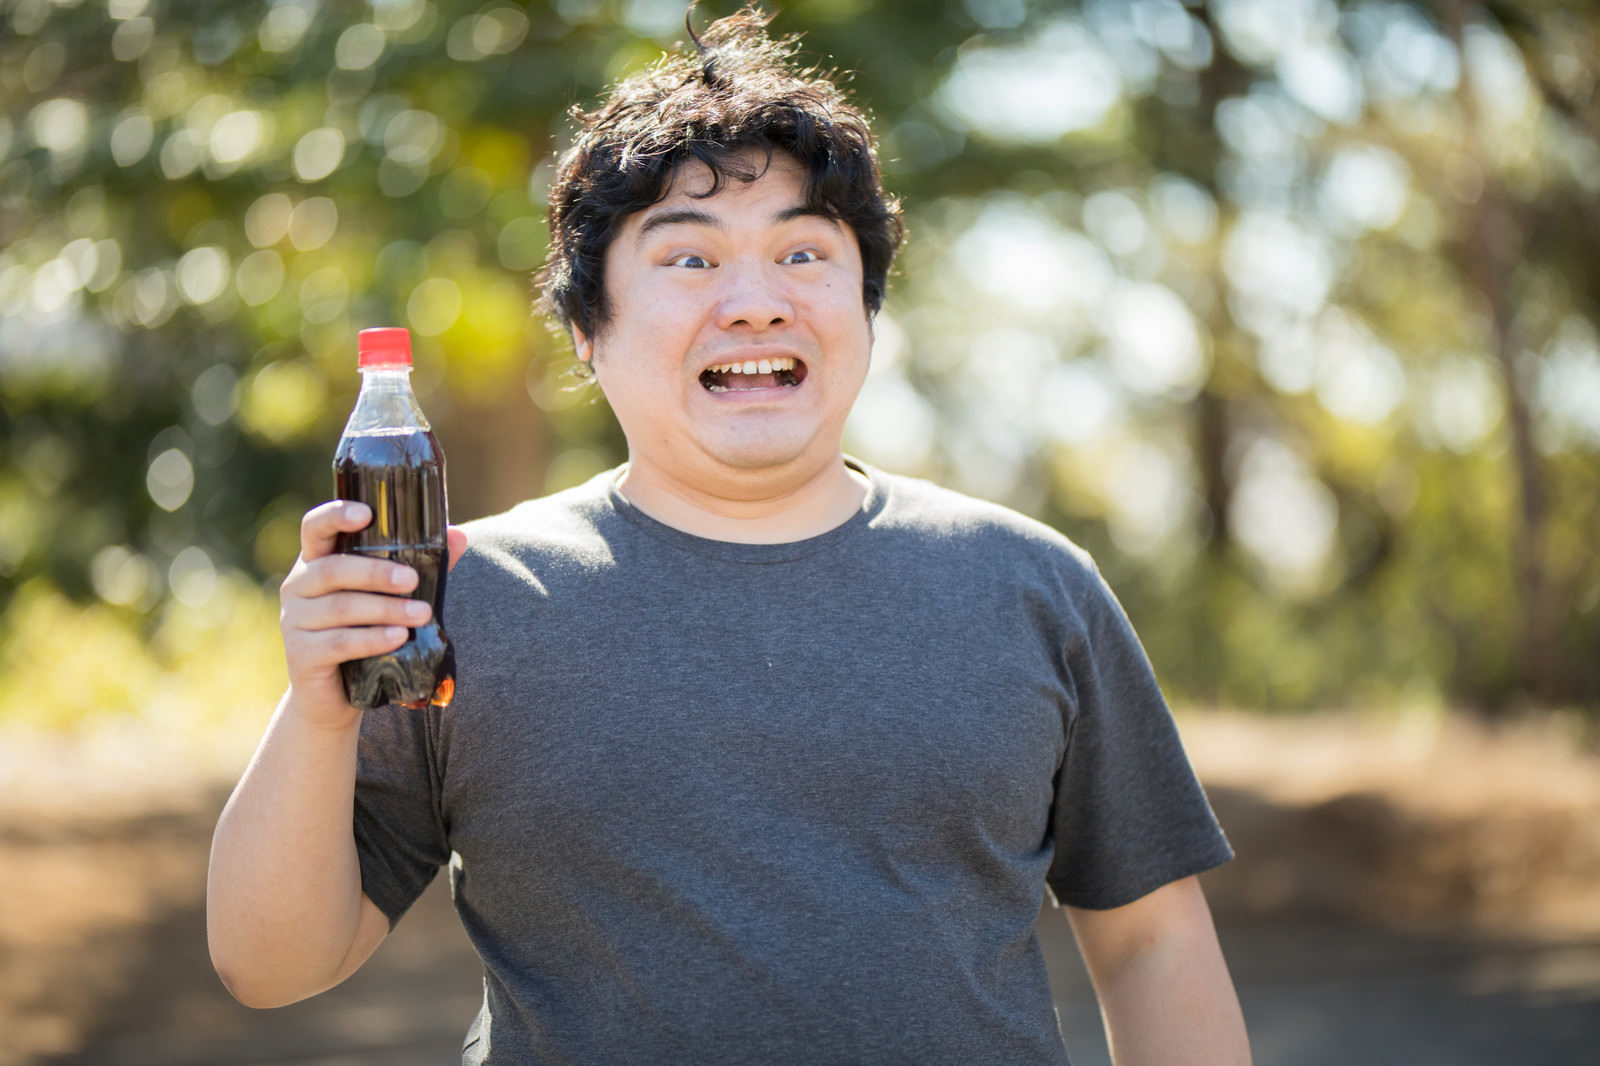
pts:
pixel 691 260
pixel 805 255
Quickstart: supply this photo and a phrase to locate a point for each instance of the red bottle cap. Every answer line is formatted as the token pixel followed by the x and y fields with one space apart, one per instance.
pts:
pixel 388 346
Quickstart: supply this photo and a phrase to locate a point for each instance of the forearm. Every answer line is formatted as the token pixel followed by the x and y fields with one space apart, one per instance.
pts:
pixel 283 899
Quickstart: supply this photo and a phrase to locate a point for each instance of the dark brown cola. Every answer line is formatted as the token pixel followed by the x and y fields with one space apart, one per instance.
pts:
pixel 400 475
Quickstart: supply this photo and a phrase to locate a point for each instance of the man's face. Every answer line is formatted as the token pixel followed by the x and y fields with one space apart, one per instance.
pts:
pixel 739 339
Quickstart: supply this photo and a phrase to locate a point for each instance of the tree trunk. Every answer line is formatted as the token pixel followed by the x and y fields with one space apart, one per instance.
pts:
pixel 1489 252
pixel 1213 408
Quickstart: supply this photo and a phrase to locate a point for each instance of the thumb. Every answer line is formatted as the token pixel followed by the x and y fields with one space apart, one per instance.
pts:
pixel 458 544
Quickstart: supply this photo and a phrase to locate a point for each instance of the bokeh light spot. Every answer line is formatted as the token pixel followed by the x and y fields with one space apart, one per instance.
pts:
pixel 396 16
pixel 192 577
pixel 1059 82
pixel 54 285
pixel 412 138
pixel 236 136
pixel 285 24
pixel 131 137
pixel 203 274
pixel 260 277
pixel 43 66
pixel 891 424
pixel 215 393
pixel 1284 515
pixel 318 154
pixel 359 47
pixel 1459 403
pixel 313 223
pixel 61 125
pixel 1365 188
pixel 434 306
pixel 107 265
pixel 170 479
pixel 284 400
pixel 266 221
pixel 1155 341
pixel 132 39
pixel 324 294
pixel 181 154
pixel 1183 209
pixel 1112 218
pixel 153 298
pixel 120 575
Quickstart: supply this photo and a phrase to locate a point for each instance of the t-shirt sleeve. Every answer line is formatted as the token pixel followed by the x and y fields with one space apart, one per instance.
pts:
pixel 399 830
pixel 1129 815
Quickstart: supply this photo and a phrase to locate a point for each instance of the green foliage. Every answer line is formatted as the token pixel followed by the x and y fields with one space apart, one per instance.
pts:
pixel 188 668
pixel 1288 317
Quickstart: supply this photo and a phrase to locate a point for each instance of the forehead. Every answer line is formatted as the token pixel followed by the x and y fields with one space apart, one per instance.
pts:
pixel 752 177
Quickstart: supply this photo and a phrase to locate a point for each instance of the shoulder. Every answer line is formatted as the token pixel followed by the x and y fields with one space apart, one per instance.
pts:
pixel 922 509
pixel 567 528
pixel 1014 564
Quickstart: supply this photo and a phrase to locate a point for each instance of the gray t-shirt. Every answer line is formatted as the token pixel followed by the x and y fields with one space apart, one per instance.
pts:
pixel 788 803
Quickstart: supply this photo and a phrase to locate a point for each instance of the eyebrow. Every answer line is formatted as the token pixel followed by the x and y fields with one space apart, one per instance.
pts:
pixel 681 216
pixel 690 216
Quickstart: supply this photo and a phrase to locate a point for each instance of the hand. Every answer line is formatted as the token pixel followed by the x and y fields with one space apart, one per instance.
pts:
pixel 337 607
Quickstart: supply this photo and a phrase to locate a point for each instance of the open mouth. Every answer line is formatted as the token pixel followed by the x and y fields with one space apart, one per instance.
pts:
pixel 784 372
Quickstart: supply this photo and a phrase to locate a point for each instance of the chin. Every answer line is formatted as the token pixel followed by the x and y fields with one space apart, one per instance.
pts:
pixel 760 455
pixel 755 462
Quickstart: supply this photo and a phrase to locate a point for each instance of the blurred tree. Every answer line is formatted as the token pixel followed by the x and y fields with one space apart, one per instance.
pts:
pixel 1284 308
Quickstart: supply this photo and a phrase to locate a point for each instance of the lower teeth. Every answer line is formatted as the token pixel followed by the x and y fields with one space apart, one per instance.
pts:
pixel 785 379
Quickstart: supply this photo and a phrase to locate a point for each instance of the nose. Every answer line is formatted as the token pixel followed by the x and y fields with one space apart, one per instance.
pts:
pixel 753 297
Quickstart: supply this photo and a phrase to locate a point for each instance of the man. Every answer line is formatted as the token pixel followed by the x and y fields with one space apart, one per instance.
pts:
pixel 757 755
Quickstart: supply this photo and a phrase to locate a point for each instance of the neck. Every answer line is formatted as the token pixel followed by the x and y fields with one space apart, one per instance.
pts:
pixel 750 510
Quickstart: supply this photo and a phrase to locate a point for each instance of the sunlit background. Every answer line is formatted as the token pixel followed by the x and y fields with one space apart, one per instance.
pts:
pixel 1286 309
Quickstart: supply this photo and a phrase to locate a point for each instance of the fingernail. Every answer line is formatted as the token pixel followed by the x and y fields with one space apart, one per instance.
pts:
pixel 356 512
pixel 416 609
pixel 404 577
pixel 394 632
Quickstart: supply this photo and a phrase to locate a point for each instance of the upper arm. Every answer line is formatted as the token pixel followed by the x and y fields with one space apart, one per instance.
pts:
pixel 1162 983
pixel 1174 915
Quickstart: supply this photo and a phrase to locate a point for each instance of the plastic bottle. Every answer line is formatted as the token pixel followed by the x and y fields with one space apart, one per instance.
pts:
pixel 389 459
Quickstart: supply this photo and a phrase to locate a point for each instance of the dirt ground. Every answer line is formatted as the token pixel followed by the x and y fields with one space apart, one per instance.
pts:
pixel 1411 889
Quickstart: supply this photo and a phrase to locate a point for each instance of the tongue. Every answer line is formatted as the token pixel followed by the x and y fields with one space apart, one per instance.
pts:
pixel 735 382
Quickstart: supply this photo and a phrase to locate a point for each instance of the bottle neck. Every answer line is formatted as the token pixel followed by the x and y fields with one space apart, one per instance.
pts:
pixel 386 377
pixel 385 402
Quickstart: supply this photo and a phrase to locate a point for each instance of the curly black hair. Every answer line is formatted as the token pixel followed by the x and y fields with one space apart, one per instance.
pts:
pixel 740 91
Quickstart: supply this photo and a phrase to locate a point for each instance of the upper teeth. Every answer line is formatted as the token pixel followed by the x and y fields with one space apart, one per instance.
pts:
pixel 754 366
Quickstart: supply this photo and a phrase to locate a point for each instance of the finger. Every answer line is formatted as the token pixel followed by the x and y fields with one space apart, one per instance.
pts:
pixel 458 544
pixel 321 526
pixel 342 572
pixel 344 610
pixel 310 651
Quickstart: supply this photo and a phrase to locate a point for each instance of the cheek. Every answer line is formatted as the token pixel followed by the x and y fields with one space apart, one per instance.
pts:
pixel 838 302
pixel 848 320
pixel 662 314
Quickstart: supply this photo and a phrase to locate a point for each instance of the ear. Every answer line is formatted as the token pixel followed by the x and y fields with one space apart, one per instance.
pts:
pixel 582 346
pixel 457 539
